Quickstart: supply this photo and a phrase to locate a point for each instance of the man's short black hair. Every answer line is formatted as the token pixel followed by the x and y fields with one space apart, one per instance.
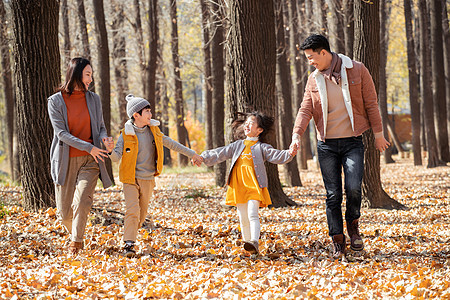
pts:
pixel 316 42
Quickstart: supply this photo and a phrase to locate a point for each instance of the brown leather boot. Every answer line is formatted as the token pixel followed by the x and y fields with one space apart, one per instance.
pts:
pixel 338 246
pixel 356 242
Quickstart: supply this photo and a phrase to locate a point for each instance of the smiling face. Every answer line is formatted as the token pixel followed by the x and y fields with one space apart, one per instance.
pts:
pixel 319 60
pixel 251 128
pixel 141 120
pixel 87 76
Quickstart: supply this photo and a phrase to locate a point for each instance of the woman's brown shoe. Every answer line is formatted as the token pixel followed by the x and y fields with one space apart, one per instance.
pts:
pixel 75 247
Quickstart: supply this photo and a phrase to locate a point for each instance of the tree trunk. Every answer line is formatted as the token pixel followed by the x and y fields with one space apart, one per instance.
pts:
pixel 367 41
pixel 66 31
pixel 179 103
pixel 153 56
pixel 165 116
pixel 446 37
pixel 119 60
pixel 37 70
pixel 438 77
pixel 298 80
pixel 83 30
pixel 7 86
pixel 103 74
pixel 394 136
pixel 218 92
pixel 283 91
pixel 319 16
pixel 382 93
pixel 207 85
pixel 427 95
pixel 336 25
pixel 137 26
pixel 349 26
pixel 253 58
pixel 413 86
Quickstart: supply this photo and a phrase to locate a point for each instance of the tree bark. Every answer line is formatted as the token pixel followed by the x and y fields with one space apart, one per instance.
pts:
pixel 37 72
pixel 283 92
pixel 298 80
pixel 367 41
pixel 137 26
pixel 438 77
pixel 427 95
pixel 179 103
pixel 83 29
pixel 103 65
pixel 382 93
pixel 446 37
pixel 336 25
pixel 66 31
pixel 349 27
pixel 5 56
pixel 153 56
pixel 319 16
pixel 207 85
pixel 413 85
pixel 119 59
pixel 253 44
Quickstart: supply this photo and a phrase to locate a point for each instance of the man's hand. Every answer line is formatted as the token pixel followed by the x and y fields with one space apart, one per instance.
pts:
pixel 380 142
pixel 293 149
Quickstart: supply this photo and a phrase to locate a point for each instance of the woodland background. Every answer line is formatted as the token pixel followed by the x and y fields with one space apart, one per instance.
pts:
pixel 199 63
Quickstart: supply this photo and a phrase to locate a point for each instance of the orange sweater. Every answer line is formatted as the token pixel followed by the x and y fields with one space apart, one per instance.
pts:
pixel 79 120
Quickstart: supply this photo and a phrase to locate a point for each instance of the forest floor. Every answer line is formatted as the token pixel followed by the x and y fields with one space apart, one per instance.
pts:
pixel 193 249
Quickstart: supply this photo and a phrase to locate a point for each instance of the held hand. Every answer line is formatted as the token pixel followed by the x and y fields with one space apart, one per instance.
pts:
pixel 98 153
pixel 197 160
pixel 109 143
pixel 293 149
pixel 381 144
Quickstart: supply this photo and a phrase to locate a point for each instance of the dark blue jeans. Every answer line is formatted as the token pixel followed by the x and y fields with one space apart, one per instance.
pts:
pixel 335 155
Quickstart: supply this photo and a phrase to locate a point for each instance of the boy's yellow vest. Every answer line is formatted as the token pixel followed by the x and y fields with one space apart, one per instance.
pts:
pixel 127 166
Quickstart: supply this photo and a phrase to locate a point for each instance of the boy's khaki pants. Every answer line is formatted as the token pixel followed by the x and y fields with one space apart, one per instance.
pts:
pixel 74 198
pixel 137 197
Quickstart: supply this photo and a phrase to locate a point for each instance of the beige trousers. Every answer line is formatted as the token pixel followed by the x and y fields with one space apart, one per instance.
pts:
pixel 137 197
pixel 74 198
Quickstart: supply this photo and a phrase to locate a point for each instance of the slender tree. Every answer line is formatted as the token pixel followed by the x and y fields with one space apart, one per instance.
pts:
pixel 179 102
pixel 367 41
pixel 413 85
pixel 446 37
pixel 137 26
pixel 83 29
pixel 427 95
pixel 283 91
pixel 438 77
pixel 119 58
pixel 5 56
pixel 382 90
pixel 207 86
pixel 153 55
pixel 37 73
pixel 349 26
pixel 103 66
pixel 218 92
pixel 66 31
pixel 336 24
pixel 252 53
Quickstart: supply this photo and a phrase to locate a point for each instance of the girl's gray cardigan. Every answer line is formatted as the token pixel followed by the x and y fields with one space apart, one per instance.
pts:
pixel 62 139
pixel 261 152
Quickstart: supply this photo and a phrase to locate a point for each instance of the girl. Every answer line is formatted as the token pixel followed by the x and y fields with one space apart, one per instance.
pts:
pixel 247 180
pixel 76 155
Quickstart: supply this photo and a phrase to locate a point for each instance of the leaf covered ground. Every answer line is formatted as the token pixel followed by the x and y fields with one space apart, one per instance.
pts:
pixel 191 248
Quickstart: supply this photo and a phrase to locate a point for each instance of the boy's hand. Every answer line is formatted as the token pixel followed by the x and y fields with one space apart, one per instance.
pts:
pixel 293 149
pixel 197 160
pixel 109 143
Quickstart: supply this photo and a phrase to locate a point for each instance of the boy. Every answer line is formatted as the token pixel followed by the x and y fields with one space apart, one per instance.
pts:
pixel 140 151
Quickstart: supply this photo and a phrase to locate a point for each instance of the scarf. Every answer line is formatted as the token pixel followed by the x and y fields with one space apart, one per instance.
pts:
pixel 333 73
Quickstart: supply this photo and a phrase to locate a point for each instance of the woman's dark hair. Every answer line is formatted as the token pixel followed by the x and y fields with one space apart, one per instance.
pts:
pixel 316 42
pixel 264 122
pixel 74 75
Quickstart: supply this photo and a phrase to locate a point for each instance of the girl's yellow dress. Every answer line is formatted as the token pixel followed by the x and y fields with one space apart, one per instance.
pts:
pixel 243 184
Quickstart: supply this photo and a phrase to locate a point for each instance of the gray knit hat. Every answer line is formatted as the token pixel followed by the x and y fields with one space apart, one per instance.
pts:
pixel 135 104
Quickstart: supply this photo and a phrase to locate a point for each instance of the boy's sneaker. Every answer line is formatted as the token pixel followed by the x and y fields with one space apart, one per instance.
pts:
pixel 252 247
pixel 128 250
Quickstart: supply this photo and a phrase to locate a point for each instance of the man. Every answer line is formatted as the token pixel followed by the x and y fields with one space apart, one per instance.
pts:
pixel 340 95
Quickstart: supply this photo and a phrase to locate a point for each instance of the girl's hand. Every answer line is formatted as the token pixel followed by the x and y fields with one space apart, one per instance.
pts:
pixel 293 149
pixel 109 143
pixel 197 160
pixel 98 154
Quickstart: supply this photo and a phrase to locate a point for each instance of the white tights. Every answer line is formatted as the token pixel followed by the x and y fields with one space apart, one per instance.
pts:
pixel 249 218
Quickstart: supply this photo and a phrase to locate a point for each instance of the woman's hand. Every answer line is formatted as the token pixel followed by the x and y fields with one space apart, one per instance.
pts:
pixel 98 153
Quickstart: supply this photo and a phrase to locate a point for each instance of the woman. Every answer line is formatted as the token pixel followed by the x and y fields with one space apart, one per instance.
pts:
pixel 76 157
